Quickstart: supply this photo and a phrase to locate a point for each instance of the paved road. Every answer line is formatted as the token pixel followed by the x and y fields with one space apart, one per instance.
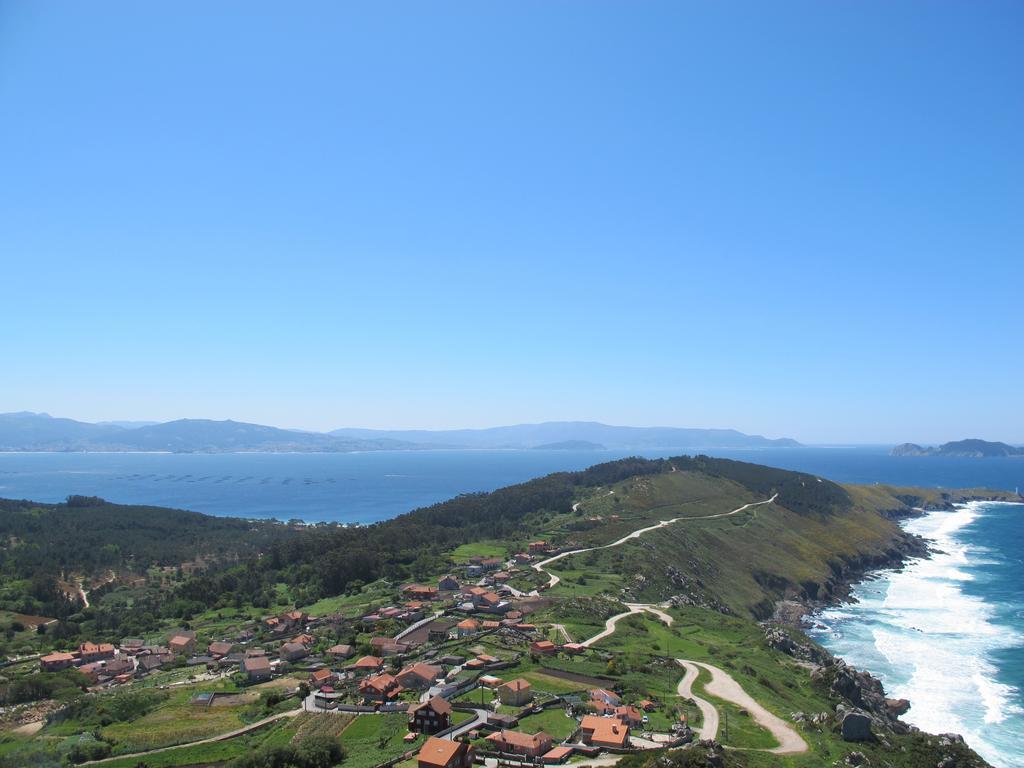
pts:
pixel 479 719
pixel 725 687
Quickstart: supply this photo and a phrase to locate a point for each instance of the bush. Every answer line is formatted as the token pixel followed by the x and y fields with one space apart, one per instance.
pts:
pixel 311 752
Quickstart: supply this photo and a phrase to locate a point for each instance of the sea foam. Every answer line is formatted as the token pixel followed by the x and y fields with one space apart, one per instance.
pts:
pixel 933 643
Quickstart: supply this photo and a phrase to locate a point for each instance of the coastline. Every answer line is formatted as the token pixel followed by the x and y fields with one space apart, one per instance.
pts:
pixel 921 628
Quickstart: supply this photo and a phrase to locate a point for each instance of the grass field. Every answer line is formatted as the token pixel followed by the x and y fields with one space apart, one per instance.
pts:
pixel 217 752
pixel 463 553
pixel 553 721
pixel 372 739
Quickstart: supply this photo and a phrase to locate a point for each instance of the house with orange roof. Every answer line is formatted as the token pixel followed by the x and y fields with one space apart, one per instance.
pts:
pixel 516 693
pixel 52 662
pixel 182 643
pixel 321 677
pixel 367 665
pixel 467 627
pixel 218 649
pixel 519 743
pixel 89 652
pixel 557 755
pixel 544 647
pixel 379 688
pixel 419 675
pixel 604 732
pixel 442 753
pixel 420 592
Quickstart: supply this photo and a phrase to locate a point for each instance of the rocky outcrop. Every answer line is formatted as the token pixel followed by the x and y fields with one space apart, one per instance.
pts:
pixel 781 640
pixel 854 725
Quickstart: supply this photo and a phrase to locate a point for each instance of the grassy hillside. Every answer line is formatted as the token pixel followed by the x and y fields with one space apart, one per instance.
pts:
pixel 744 562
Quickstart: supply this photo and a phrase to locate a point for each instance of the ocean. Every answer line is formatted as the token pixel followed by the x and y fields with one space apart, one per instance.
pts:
pixel 946 633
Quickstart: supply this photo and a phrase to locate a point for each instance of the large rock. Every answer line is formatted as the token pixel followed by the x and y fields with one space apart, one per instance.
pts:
pixel 856 726
pixel 897 707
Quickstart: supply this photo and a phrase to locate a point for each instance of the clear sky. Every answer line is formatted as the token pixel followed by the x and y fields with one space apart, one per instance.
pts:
pixel 796 219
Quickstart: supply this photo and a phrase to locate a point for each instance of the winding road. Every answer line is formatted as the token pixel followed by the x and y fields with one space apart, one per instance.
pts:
pixel 541 567
pixel 609 625
pixel 722 685
pixel 726 688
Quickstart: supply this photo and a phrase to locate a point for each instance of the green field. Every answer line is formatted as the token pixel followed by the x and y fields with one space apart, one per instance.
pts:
pixel 552 721
pixel 372 739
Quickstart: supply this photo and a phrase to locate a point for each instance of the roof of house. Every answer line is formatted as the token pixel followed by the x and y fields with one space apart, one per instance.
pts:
pixel 557 754
pixel 519 684
pixel 423 670
pixel 436 703
pixel 58 656
pixel 256 664
pixel 630 713
pixel 321 674
pixel 368 662
pixel 468 624
pixel 220 648
pixel 293 648
pixel 606 730
pixel 438 752
pixel 381 683
pixel 522 740
pixel 341 650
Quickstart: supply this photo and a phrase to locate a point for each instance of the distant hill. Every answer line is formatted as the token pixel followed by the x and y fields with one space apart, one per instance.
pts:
pixel 972 448
pixel 26 431
pixel 554 432
pixel 41 432
pixel 570 445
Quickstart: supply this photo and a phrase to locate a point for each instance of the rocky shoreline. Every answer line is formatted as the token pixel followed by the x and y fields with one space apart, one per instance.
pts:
pixel 865 712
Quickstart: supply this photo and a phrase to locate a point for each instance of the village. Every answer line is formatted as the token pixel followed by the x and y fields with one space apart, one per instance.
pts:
pixel 460 658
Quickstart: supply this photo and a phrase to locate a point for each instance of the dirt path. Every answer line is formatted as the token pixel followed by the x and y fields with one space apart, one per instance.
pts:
pixel 553 579
pixel 211 740
pixel 609 625
pixel 560 629
pixel 709 715
pixel 725 687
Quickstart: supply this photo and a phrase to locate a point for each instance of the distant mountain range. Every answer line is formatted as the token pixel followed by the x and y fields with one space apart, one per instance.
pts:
pixel 27 431
pixel 972 448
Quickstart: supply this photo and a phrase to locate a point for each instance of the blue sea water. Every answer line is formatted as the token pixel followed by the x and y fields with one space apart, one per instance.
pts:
pixel 365 487
pixel 946 633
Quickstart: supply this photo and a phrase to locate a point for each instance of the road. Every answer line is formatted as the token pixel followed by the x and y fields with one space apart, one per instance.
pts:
pixel 726 688
pixel 541 567
pixel 479 719
pixel 709 715
pixel 609 625
pixel 211 740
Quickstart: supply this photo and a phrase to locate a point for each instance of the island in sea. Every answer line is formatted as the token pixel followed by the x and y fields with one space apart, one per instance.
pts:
pixel 970 448
pixel 640 611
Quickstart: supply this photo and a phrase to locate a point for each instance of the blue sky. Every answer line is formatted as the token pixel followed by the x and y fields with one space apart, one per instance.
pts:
pixel 801 219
